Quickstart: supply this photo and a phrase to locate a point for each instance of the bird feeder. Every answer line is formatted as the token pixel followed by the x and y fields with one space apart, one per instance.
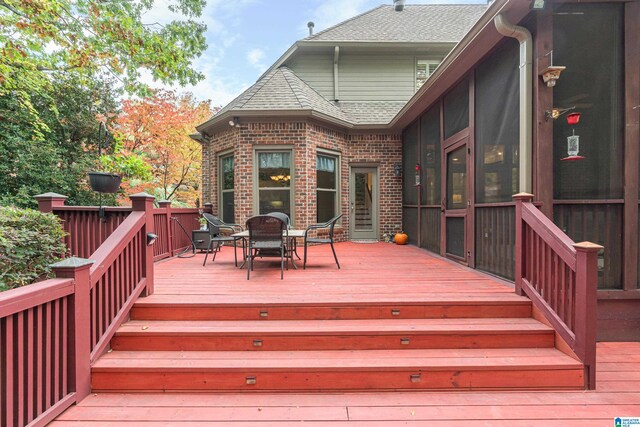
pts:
pixel 573 147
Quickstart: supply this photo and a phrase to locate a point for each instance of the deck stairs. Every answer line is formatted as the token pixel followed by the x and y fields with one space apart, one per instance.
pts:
pixel 187 343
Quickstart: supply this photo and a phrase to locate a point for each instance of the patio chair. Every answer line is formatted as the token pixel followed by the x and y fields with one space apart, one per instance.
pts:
pixel 267 237
pixel 330 225
pixel 283 216
pixel 216 226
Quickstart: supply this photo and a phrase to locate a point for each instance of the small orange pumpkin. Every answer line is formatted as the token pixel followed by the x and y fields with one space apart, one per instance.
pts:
pixel 401 238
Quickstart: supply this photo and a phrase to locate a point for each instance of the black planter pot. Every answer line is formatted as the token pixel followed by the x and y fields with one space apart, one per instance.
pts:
pixel 103 182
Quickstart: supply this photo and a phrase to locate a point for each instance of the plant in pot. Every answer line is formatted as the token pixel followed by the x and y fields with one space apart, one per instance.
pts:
pixel 116 165
pixel 103 182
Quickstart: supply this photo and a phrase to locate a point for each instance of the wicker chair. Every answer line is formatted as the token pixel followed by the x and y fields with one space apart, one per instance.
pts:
pixel 330 225
pixel 216 227
pixel 267 237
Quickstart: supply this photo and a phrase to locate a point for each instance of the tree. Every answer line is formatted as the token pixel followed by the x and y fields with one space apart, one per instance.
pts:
pixel 158 127
pixel 56 155
pixel 41 37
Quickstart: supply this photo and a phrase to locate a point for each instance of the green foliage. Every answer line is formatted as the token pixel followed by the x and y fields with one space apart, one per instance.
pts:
pixel 29 242
pixel 41 37
pixel 57 155
pixel 131 165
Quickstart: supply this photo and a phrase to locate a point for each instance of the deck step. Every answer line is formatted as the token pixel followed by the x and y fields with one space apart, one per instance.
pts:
pixel 461 369
pixel 324 307
pixel 146 335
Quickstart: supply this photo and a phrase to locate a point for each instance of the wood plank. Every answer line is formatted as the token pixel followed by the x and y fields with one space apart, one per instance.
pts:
pixel 355 380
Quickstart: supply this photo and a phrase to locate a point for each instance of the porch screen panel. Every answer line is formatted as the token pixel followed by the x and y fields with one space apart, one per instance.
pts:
pixel 495 240
pixel 497 128
pixel 430 231
pixel 588 40
pixel 430 156
pixel 410 147
pixel 456 109
pixel 410 224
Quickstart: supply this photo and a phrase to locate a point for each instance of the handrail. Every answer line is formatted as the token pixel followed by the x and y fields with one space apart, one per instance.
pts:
pixel 104 256
pixel 35 320
pixel 117 279
pixel 560 277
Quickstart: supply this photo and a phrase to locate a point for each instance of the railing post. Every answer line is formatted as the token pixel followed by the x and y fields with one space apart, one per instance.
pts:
pixel 166 205
pixel 48 201
pixel 80 325
pixel 586 307
pixel 520 198
pixel 143 202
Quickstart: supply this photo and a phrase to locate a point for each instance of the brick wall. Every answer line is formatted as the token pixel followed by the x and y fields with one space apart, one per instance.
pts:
pixel 306 138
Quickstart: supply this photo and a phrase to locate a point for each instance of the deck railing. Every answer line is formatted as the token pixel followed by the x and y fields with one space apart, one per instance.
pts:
pixel 560 277
pixel 87 230
pixel 51 331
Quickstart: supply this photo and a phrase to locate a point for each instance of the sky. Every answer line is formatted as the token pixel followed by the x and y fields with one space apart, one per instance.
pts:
pixel 246 36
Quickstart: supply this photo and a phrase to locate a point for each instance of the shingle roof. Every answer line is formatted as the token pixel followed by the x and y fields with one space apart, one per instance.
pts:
pixel 371 112
pixel 415 24
pixel 281 89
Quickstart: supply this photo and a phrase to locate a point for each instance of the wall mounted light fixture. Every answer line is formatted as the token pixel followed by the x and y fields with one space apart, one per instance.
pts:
pixel 397 170
pixel 234 122
pixel 151 238
pixel 537 4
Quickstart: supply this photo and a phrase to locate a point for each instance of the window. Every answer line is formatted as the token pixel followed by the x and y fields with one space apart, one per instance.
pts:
pixel 424 69
pixel 226 189
pixel 274 181
pixel 327 186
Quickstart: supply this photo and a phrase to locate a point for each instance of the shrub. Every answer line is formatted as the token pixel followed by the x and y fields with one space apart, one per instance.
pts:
pixel 29 242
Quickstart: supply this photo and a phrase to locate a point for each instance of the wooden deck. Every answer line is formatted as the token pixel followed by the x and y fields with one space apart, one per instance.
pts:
pixel 617 394
pixel 389 313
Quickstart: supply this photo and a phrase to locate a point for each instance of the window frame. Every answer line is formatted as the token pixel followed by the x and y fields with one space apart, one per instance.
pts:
pixel 222 155
pixel 256 177
pixel 427 62
pixel 337 193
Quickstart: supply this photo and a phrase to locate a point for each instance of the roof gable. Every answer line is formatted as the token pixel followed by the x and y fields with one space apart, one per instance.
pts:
pixel 437 23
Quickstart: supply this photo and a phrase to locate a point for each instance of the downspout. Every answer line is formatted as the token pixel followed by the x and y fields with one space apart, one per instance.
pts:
pixel 523 35
pixel 336 82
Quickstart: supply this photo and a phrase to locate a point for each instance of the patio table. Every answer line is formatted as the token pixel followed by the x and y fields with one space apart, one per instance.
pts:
pixel 291 234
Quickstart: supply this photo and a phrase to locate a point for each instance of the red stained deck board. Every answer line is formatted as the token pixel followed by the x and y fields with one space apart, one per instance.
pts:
pixel 331 381
pixel 563 408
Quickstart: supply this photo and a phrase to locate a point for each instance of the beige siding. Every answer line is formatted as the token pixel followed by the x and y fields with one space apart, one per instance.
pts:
pixel 377 77
pixel 316 70
pixel 362 77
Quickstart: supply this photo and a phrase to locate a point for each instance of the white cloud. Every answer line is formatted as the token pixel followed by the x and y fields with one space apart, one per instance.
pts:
pixel 256 59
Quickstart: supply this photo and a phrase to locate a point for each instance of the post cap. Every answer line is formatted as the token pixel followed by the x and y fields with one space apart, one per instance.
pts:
pixel 164 202
pixel 587 247
pixel 50 196
pixel 523 197
pixel 72 263
pixel 142 195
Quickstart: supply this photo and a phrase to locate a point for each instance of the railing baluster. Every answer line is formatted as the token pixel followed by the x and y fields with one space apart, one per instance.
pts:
pixel 561 279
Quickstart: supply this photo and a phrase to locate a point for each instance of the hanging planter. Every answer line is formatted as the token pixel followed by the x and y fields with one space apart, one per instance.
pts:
pixel 104 182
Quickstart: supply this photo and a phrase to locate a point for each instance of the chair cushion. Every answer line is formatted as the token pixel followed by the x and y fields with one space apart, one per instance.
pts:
pixel 267 244
pixel 317 240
